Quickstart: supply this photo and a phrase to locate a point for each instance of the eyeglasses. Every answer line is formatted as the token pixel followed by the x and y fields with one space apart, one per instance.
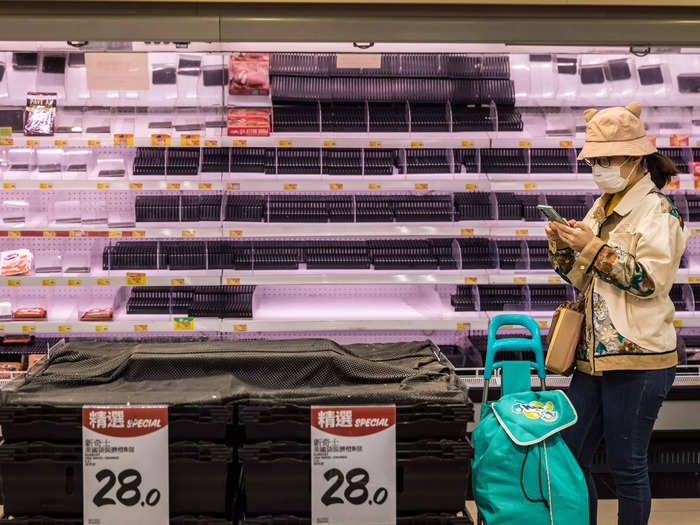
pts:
pixel 603 162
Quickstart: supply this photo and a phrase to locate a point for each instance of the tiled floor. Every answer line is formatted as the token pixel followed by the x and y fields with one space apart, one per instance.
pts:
pixel 663 512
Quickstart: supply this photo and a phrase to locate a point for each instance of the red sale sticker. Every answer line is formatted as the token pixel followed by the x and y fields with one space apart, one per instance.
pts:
pixel 353 447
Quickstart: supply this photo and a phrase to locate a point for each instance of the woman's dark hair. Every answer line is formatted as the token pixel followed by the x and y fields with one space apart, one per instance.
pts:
pixel 661 168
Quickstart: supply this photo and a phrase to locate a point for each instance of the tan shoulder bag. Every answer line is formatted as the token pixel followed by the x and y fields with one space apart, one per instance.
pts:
pixel 565 334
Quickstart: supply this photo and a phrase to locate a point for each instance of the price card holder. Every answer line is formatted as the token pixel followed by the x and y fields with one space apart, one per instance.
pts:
pixel 125 465
pixel 353 465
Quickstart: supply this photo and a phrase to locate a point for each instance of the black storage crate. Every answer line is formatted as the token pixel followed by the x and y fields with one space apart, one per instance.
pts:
pixel 64 424
pixel 278 422
pixel 431 476
pixel 423 519
pixel 203 478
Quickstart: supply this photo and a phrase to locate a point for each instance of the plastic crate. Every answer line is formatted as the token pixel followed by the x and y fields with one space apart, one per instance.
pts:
pixel 265 422
pixel 77 520
pixel 64 424
pixel 423 519
pixel 47 478
pixel 431 476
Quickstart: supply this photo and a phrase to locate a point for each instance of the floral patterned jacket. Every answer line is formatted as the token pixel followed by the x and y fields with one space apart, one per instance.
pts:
pixel 633 263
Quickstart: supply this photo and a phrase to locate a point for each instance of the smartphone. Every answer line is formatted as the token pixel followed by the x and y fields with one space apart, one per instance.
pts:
pixel 551 214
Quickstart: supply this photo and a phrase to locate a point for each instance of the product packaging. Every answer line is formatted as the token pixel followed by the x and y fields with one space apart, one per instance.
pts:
pixel 16 262
pixel 249 74
pixel 97 314
pixel 40 114
pixel 252 122
pixel 29 312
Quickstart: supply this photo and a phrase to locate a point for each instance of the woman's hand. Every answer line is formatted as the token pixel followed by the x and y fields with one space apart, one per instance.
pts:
pixel 552 234
pixel 577 235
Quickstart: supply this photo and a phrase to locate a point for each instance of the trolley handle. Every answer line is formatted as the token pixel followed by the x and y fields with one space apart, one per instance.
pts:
pixel 514 344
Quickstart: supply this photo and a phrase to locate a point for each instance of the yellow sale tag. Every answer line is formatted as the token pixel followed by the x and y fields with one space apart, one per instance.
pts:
pixel 59 142
pixel 135 186
pixel 692 231
pixel 520 280
pixel 48 282
pixel 240 327
pixel 75 233
pixel 101 328
pixel 522 233
pixel 233 281
pixel 530 186
pixel 114 233
pixel 524 143
pixel 471 186
pixel 542 324
pixel 416 143
pixel 235 233
pixel 7 141
pixel 692 280
pixel 5 131
pixel 375 144
pixel 189 140
pixel 466 231
pixel 28 328
pixel 211 143
pixel 554 280
pixel 183 323
pixel 103 281
pixel 65 328
pixel 233 185
pixel 103 185
pixel 19 234
pixel 677 323
pixel 124 139
pixel 285 143
pixel 173 185
pixel 421 186
pixel 188 233
pixel 566 143
pixel 135 279
pixel 138 233
pixel 14 282
pixel 160 139
pixel 32 142
pixel 374 186
pixel 94 142
pixel 463 326
pixel 674 184
pixel 45 186
pixel 467 143
pixel 9 186
pixel 329 143
pixel 290 186
pixel 177 282
pixel 75 282
pixel 140 328
pixel 336 186
pixel 241 143
pixel 204 186
pixel 471 280
pixel 48 234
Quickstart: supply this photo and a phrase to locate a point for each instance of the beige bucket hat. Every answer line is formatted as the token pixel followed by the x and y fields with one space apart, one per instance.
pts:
pixel 615 131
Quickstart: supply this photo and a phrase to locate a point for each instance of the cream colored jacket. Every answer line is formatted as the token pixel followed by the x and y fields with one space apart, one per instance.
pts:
pixel 650 230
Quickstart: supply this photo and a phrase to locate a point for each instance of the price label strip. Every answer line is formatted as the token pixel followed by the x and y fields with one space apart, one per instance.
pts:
pixel 353 465
pixel 125 465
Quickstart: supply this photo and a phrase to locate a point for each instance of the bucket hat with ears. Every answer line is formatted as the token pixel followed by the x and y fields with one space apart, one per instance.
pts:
pixel 615 131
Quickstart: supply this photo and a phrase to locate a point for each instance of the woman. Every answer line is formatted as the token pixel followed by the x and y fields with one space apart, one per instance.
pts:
pixel 624 256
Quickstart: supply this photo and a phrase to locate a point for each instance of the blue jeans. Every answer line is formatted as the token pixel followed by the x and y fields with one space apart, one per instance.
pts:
pixel 620 406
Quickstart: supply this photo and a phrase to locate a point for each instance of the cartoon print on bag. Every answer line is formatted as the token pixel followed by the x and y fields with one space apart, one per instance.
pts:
pixel 537 410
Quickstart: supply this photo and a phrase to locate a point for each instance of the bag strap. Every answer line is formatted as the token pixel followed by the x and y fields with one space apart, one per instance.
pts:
pixel 578 303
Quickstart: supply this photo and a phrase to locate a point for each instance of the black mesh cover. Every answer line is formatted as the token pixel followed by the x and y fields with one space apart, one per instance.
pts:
pixel 294 370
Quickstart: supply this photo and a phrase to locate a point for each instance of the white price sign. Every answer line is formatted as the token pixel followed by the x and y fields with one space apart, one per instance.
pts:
pixel 353 465
pixel 125 465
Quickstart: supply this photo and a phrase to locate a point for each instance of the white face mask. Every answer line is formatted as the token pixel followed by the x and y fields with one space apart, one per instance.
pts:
pixel 609 179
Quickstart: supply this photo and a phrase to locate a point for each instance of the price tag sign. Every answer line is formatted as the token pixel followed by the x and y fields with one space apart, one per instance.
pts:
pixel 353 465
pixel 125 465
